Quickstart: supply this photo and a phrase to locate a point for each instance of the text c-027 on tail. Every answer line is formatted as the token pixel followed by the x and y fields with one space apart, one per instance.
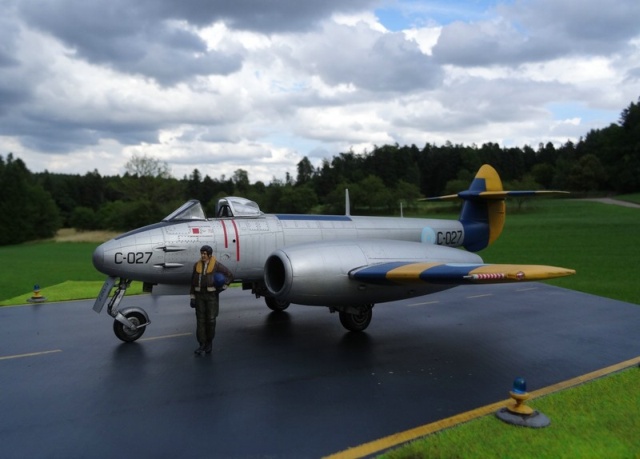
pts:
pixel 449 237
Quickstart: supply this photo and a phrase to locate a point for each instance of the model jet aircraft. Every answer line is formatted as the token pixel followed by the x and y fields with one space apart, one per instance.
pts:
pixel 343 262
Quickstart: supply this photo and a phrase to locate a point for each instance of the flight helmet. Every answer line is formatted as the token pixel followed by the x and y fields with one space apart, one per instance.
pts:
pixel 219 280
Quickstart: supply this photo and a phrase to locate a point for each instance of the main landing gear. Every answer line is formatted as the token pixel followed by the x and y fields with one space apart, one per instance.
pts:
pixel 356 322
pixel 130 323
pixel 356 319
pixel 276 305
pixel 353 318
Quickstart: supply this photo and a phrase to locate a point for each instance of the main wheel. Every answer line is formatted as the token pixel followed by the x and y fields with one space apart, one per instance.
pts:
pixel 356 322
pixel 126 335
pixel 276 305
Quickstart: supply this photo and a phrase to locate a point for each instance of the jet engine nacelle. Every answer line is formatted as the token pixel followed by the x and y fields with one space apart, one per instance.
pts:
pixel 317 274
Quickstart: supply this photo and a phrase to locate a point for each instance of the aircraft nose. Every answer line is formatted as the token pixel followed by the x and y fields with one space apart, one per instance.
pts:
pixel 98 258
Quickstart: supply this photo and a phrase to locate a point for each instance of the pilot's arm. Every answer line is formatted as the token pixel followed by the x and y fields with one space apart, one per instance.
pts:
pixel 192 290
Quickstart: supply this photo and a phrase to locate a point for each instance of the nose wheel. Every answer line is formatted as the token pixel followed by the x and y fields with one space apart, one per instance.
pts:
pixel 133 329
pixel 130 323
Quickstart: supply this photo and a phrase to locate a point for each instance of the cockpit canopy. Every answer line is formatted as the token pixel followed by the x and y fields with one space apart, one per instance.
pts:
pixel 190 210
pixel 231 206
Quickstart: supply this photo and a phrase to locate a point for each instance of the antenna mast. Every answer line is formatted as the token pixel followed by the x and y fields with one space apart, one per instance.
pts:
pixel 347 203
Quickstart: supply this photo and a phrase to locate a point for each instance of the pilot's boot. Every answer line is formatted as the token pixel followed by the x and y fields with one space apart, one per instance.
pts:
pixel 200 350
pixel 208 347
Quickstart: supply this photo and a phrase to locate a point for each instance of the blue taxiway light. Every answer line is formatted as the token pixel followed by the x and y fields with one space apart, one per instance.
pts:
pixel 519 386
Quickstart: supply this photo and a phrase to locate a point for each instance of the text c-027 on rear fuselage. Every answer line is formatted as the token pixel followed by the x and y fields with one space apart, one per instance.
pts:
pixel 449 237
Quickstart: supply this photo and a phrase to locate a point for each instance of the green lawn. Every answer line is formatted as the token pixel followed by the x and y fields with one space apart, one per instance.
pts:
pixel 46 264
pixel 599 241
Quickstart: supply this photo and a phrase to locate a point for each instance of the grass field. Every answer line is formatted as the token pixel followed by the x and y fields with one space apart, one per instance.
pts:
pixel 599 241
pixel 61 267
pixel 46 264
pixel 597 419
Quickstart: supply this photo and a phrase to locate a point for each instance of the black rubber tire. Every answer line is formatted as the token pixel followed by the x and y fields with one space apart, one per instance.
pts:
pixel 356 322
pixel 126 335
pixel 276 305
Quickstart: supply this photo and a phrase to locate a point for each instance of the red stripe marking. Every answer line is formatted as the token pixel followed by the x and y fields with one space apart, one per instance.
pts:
pixel 237 240
pixel 224 230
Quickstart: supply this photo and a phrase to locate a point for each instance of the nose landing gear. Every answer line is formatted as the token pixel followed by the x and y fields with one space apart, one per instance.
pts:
pixel 130 323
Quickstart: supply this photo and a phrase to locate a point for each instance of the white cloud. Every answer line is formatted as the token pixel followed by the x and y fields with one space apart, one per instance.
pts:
pixel 425 37
pixel 84 86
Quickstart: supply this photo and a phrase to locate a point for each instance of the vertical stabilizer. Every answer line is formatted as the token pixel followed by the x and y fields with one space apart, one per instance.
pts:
pixel 484 210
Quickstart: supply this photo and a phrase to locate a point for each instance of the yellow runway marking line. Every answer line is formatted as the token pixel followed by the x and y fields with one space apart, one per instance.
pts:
pixel 32 354
pixel 154 338
pixel 394 440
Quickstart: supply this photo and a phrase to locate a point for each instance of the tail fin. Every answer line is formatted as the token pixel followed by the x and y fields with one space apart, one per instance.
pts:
pixel 484 210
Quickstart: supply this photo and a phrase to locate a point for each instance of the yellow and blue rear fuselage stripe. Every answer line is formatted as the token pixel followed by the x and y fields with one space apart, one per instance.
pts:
pixel 400 272
pixel 454 273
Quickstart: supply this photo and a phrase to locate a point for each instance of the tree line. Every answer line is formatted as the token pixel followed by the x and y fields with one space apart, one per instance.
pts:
pixel 36 205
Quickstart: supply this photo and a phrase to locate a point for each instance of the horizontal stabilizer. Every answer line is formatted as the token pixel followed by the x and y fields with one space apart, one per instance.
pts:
pixel 470 195
pixel 455 273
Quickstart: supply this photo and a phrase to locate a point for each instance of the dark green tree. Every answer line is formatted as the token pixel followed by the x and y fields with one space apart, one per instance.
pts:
pixel 587 174
pixel 297 200
pixel 28 211
pixel 241 182
pixel 543 174
pixel 306 171
pixel 84 219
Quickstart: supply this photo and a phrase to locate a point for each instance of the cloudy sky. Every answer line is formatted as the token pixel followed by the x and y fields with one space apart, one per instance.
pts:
pixel 220 85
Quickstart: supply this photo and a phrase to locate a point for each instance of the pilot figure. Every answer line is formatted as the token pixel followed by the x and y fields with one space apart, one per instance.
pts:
pixel 209 278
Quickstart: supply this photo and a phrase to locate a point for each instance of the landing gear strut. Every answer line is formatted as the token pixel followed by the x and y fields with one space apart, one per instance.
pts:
pixel 129 323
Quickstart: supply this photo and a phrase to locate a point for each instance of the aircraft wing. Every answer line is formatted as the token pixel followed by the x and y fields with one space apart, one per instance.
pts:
pixel 454 273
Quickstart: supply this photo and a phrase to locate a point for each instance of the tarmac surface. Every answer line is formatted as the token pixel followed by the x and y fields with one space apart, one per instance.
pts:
pixel 292 384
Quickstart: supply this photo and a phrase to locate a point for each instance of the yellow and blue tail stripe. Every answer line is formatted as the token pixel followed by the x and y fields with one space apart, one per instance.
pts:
pixel 454 273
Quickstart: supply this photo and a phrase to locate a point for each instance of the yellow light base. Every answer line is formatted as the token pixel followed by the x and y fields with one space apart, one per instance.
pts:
pixel 37 297
pixel 518 406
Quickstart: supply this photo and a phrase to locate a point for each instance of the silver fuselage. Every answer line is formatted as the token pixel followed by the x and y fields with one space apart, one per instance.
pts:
pixel 164 253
